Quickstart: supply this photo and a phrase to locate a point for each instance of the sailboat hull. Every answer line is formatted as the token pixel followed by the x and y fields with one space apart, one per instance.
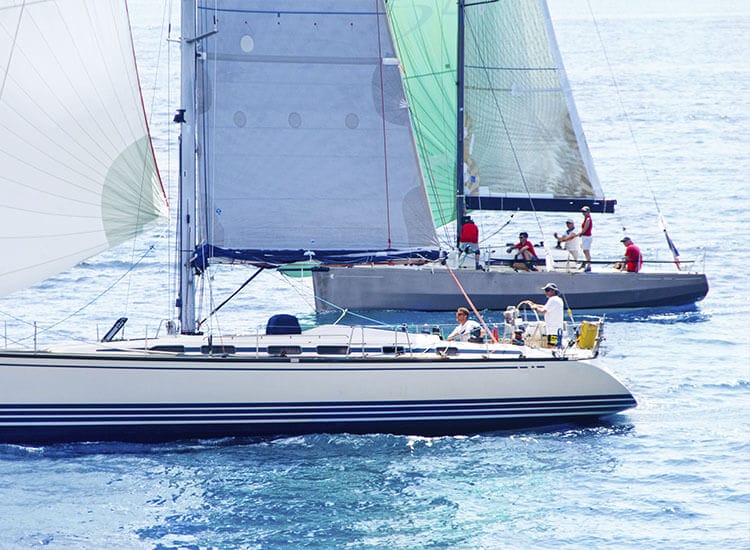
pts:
pixel 47 397
pixel 434 289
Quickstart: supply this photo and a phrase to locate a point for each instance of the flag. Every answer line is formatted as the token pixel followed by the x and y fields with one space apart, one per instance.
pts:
pixel 672 247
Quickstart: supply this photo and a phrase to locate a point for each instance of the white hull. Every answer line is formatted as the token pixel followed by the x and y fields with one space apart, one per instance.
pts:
pixel 432 288
pixel 116 394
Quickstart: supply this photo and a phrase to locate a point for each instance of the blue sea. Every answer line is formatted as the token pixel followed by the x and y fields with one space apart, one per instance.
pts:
pixel 663 91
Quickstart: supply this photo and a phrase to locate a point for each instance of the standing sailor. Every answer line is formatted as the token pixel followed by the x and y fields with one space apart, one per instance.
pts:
pixel 553 314
pixel 585 234
pixel 468 241
pixel 570 238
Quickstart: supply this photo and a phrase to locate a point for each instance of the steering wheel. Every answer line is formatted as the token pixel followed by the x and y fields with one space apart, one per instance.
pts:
pixel 523 309
pixel 536 334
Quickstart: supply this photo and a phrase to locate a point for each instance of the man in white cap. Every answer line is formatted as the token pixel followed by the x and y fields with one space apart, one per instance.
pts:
pixel 553 314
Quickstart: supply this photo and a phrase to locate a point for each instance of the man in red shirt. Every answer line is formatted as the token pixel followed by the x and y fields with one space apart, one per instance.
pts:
pixel 525 255
pixel 632 261
pixel 585 234
pixel 468 241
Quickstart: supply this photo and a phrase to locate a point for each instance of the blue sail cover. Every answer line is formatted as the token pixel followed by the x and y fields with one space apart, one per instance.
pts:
pixel 304 136
pixel 274 258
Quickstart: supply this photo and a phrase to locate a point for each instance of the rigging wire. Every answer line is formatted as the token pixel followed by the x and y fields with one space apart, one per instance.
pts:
pixel 172 253
pixel 107 290
pixel 499 229
pixel 207 130
pixel 222 304
pixel 384 129
pixel 299 289
pixel 473 307
pixel 149 151
pixel 639 155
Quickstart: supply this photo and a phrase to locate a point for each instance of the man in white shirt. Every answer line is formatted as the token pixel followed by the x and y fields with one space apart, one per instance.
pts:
pixel 572 244
pixel 465 326
pixel 553 313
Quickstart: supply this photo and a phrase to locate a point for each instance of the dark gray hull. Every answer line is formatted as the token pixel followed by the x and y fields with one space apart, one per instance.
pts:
pixel 425 289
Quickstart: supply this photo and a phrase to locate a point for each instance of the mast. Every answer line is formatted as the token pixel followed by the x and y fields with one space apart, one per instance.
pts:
pixel 187 184
pixel 460 199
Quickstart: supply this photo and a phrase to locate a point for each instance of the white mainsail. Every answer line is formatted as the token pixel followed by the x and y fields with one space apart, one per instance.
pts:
pixel 304 131
pixel 77 170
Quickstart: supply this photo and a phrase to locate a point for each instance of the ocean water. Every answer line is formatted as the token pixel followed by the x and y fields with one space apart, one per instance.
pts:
pixel 663 91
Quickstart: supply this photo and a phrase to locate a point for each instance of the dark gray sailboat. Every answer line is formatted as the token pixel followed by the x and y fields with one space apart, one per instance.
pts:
pixel 425 289
pixel 517 144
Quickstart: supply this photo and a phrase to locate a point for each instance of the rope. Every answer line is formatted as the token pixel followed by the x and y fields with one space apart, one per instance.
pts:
pixel 222 304
pixel 510 219
pixel 347 312
pixel 473 307
pixel 567 306
pixel 642 165
pixel 385 136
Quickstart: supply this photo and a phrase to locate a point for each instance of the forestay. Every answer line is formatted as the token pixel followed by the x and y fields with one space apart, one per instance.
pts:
pixel 77 170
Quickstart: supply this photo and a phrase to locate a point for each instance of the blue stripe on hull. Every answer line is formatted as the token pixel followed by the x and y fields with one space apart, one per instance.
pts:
pixel 131 422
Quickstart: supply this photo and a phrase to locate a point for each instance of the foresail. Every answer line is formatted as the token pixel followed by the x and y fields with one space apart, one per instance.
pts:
pixel 425 34
pixel 77 171
pixel 304 133
pixel 524 146
pixel 522 136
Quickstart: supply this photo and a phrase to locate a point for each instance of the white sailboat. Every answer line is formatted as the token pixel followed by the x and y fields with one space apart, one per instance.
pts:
pixel 298 103
pixel 516 144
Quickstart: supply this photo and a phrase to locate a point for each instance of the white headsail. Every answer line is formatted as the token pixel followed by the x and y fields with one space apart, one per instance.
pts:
pixel 523 145
pixel 77 170
pixel 522 124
